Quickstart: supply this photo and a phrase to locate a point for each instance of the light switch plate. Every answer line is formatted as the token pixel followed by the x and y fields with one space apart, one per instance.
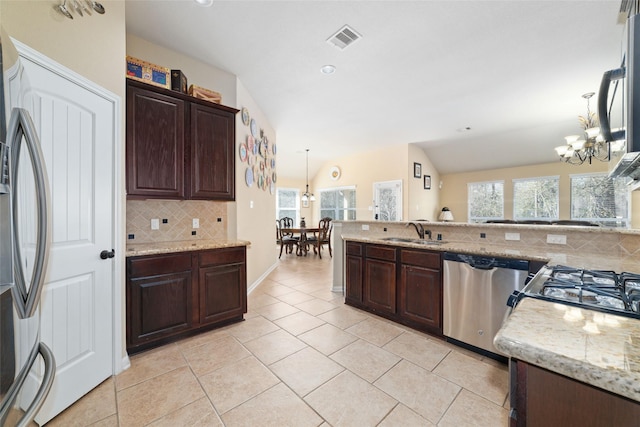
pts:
pixel 511 236
pixel 365 227
pixel 195 223
pixel 557 239
pixel 155 224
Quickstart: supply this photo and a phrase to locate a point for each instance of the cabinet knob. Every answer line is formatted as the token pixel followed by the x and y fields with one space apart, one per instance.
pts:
pixel 107 254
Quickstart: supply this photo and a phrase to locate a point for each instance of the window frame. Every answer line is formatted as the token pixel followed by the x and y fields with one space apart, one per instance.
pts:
pixel 474 219
pixel 605 222
pixel 555 178
pixel 296 220
pixel 354 209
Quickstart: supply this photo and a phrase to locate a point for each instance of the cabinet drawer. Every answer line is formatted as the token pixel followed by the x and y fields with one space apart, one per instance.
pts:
pixel 381 252
pixel 222 256
pixel 420 258
pixel 161 264
pixel 354 249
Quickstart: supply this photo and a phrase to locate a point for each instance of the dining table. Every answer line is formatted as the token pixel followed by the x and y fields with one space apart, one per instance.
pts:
pixel 301 233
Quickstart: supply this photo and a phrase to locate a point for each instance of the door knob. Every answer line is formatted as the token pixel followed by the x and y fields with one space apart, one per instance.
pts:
pixel 107 254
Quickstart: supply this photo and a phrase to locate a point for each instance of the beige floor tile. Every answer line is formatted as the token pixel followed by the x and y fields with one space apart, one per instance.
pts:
pixel 401 416
pixel 470 410
pixel 97 405
pixel 276 311
pixel 375 331
pixel 276 407
pixel 251 329
pixel 295 297
pixel 422 351
pixel 150 364
pixel 316 306
pixel 343 317
pixel 258 300
pixel 274 346
pixel 203 338
pixel 236 383
pixel 305 370
pixel 486 380
pixel 365 359
pixel 348 400
pixel 418 389
pixel 326 294
pixel 274 289
pixel 313 286
pixel 327 339
pixel 299 323
pixel 153 399
pixel 111 421
pixel 209 357
pixel 197 414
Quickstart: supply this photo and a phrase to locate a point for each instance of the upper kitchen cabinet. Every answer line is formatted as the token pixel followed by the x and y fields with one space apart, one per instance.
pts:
pixel 178 147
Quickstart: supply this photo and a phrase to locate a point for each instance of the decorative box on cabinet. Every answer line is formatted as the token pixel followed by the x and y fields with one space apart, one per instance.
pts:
pixel 175 295
pixel 178 147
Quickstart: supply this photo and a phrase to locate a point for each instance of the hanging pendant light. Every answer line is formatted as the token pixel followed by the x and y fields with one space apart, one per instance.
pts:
pixel 306 196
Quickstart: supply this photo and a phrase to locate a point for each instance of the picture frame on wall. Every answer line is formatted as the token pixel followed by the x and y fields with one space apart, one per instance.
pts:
pixel 427 182
pixel 417 170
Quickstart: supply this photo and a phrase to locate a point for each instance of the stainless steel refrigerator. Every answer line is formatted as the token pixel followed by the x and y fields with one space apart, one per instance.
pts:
pixel 25 225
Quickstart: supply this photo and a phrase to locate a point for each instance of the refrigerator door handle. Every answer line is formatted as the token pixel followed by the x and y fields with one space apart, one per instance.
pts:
pixel 27 297
pixel 43 390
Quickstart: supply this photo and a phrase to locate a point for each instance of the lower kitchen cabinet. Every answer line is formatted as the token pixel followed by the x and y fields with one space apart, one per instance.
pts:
pixel 420 289
pixel 404 285
pixel 543 398
pixel 171 296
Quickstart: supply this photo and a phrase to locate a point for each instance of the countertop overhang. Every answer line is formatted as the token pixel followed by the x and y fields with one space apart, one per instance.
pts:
pixel 593 347
pixel 139 249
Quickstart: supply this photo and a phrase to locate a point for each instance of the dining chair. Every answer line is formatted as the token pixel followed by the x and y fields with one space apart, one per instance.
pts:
pixel 323 237
pixel 287 240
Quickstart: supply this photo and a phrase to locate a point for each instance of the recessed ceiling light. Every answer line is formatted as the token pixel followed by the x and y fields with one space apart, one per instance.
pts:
pixel 204 3
pixel 327 69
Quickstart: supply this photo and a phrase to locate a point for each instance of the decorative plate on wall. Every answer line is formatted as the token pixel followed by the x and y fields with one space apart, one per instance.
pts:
pixel 245 116
pixel 254 129
pixel 248 177
pixel 334 173
pixel 243 152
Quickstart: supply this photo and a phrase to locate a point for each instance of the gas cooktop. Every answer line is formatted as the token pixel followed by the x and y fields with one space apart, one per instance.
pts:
pixel 606 291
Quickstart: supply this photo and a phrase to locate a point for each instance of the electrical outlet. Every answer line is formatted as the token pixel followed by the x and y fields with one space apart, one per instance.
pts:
pixel 155 224
pixel 365 227
pixel 557 239
pixel 483 235
pixel 195 223
pixel 165 221
pixel 511 236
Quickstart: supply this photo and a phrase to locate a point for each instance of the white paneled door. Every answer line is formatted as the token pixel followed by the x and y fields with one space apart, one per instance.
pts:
pixel 76 124
pixel 387 201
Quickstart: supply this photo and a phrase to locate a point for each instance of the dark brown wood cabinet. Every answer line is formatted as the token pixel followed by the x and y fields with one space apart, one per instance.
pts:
pixel 380 278
pixel 543 398
pixel 354 267
pixel 401 284
pixel 178 147
pixel 171 296
pixel 420 289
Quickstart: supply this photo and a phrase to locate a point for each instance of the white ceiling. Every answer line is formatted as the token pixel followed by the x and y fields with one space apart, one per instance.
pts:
pixel 513 71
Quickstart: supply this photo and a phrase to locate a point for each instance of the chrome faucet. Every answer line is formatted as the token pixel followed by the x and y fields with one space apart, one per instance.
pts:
pixel 420 229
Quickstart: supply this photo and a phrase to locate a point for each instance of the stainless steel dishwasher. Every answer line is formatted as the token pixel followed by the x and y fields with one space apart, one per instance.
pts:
pixel 476 289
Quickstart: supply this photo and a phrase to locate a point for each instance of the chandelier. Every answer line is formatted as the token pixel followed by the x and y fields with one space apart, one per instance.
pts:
pixel 306 196
pixel 589 145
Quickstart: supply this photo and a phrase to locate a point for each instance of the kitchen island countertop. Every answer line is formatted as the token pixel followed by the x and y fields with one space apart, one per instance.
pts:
pixel 139 249
pixel 593 347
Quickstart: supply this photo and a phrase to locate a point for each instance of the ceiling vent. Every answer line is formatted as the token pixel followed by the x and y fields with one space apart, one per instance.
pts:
pixel 344 37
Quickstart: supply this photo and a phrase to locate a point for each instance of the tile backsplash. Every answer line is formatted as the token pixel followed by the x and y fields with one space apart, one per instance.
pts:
pixel 179 215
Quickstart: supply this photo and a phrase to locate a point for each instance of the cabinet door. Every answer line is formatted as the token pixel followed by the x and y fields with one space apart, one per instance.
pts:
pixel 421 296
pixel 157 307
pixel 223 293
pixel 212 159
pixel 380 285
pixel 155 144
pixel 354 279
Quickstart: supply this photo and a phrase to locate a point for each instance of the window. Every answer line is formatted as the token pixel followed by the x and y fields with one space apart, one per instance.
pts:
pixel 338 203
pixel 536 198
pixel 600 199
pixel 485 200
pixel 288 204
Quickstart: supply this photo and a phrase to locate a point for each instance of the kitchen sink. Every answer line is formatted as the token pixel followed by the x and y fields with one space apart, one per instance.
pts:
pixel 415 241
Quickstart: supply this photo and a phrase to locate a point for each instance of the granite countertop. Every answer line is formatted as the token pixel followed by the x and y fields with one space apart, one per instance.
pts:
pixel 569 257
pixel 587 345
pixel 138 249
